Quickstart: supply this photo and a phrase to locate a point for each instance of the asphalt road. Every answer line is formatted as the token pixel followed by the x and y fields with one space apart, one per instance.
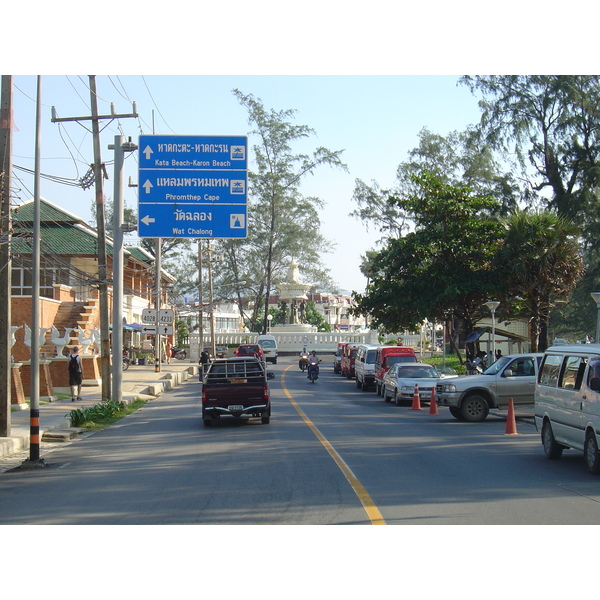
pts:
pixel 332 454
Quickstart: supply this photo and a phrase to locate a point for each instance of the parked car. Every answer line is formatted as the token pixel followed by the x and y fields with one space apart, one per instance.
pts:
pixel 250 350
pixel 567 402
pixel 385 357
pixel 400 381
pixel 470 397
pixel 337 357
pixel 348 359
pixel 364 366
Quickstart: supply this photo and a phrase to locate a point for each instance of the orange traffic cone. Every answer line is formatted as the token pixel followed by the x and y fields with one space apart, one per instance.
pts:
pixel 511 422
pixel 433 409
pixel 416 403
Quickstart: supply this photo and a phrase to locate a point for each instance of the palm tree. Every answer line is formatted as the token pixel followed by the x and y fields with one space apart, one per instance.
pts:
pixel 541 261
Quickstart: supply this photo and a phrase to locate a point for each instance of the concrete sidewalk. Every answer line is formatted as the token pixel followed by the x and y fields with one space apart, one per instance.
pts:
pixel 138 382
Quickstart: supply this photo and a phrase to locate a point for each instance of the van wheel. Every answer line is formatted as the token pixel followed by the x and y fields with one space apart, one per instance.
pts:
pixel 592 457
pixel 552 449
pixel 474 409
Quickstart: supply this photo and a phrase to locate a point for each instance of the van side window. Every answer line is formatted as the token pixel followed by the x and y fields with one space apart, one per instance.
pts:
pixel 594 371
pixel 550 370
pixel 573 372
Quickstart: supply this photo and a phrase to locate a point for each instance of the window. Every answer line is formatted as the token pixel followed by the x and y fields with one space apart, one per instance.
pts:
pixel 550 370
pixel 51 273
pixel 573 372
pixel 594 371
pixel 522 367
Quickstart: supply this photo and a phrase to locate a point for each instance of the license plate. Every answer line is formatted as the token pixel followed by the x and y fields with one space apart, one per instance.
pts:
pixel 236 407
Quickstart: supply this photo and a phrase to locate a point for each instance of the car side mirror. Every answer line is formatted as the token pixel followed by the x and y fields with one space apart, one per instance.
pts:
pixel 270 375
pixel 595 384
pixel 508 373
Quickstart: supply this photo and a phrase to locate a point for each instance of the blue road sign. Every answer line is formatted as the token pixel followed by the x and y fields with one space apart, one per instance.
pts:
pixel 208 187
pixel 192 221
pixel 192 186
pixel 210 152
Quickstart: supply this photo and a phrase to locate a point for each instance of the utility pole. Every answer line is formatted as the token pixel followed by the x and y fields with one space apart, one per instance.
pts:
pixel 120 147
pixel 6 121
pixel 101 227
pixel 102 260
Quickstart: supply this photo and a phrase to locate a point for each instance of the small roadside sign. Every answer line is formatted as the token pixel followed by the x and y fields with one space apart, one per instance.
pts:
pixel 157 329
pixel 165 316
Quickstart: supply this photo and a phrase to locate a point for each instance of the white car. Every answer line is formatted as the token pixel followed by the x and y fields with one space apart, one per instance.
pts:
pixel 400 381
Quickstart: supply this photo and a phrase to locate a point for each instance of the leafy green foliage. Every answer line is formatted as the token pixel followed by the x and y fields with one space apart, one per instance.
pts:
pixel 102 413
pixel 444 265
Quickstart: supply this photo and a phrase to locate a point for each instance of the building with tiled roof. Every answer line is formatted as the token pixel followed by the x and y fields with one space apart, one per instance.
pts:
pixel 69 280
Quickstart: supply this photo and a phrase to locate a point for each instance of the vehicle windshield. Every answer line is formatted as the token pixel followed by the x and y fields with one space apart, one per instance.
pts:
pixel 496 367
pixel 267 343
pixel 412 372
pixel 370 358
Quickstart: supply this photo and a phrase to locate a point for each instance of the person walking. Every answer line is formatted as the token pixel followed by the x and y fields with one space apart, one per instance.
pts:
pixel 75 374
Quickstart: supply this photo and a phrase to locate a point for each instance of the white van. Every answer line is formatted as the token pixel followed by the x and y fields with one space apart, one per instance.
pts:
pixel 268 343
pixel 567 402
pixel 364 366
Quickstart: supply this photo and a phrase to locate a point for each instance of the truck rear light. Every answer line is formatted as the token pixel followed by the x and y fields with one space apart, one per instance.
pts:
pixel 203 394
pixel 266 392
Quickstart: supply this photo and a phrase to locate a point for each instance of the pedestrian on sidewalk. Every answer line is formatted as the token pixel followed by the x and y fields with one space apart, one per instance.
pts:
pixel 204 360
pixel 75 374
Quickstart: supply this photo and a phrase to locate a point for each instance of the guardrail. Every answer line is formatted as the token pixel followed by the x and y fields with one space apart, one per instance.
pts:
pixel 295 342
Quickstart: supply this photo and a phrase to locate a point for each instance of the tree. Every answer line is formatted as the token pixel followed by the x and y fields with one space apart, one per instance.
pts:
pixel 552 124
pixel 282 224
pixel 459 159
pixel 540 260
pixel 444 266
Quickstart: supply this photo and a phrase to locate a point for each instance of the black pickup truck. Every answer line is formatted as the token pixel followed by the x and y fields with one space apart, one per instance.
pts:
pixel 236 386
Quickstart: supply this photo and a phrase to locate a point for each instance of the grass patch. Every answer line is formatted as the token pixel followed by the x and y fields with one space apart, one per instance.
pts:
pixel 101 415
pixel 451 361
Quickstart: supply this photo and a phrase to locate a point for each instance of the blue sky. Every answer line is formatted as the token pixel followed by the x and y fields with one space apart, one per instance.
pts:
pixel 367 79
pixel 374 119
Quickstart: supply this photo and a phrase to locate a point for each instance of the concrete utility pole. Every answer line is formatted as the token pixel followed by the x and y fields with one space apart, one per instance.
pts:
pixel 120 147
pixel 6 121
pixel 102 259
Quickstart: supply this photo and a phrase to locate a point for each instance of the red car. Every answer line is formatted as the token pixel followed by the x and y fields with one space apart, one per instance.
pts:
pixel 250 350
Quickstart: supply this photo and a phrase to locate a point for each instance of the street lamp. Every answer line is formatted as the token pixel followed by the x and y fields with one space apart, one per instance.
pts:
pixel 596 297
pixel 493 305
pixel 269 319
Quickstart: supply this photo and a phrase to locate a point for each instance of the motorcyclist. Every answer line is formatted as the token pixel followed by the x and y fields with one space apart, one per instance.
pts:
pixel 303 360
pixel 313 363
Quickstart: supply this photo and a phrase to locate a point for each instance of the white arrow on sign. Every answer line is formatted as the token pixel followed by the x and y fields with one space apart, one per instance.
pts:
pixel 148 152
pixel 147 186
pixel 147 220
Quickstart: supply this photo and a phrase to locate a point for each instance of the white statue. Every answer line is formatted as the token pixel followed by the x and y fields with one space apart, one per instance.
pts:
pixel 13 330
pixel 41 339
pixel 60 342
pixel 293 275
pixel 84 341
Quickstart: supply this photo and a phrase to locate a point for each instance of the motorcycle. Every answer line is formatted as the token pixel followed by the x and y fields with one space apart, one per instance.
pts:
pixel 178 353
pixel 126 360
pixel 303 362
pixel 313 372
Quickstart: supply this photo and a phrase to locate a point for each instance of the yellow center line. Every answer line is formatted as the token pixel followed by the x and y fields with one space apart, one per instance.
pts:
pixel 372 511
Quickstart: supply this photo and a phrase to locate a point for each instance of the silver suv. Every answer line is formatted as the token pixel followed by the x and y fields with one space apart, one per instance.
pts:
pixel 470 397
